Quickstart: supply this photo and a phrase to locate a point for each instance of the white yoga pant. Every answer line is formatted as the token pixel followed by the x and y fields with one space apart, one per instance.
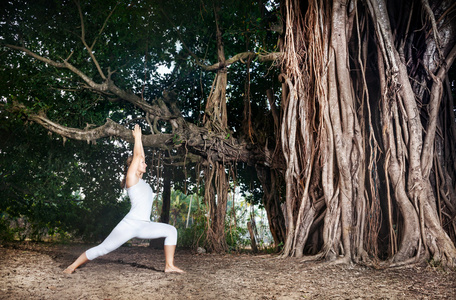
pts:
pixel 128 229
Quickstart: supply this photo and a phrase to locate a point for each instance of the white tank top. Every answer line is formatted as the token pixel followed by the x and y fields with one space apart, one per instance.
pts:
pixel 141 198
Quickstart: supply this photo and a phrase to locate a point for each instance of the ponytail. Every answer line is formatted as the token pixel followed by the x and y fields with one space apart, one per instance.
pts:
pixel 127 165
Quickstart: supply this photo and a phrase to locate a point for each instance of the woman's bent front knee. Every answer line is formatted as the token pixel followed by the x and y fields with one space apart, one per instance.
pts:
pixel 171 238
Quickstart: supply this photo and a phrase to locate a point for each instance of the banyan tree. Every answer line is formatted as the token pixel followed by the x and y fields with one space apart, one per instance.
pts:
pixel 355 150
pixel 368 129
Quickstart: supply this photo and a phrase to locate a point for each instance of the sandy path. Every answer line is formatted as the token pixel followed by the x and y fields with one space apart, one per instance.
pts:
pixel 34 271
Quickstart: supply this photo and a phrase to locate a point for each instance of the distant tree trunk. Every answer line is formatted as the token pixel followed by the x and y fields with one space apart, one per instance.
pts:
pixel 272 203
pixel 166 196
pixel 166 204
pixel 189 211
pixel 252 237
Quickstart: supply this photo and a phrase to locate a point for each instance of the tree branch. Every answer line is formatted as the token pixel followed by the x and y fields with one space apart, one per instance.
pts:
pixel 109 129
pixel 104 25
pixel 107 87
pixel 89 49
pixel 63 65
pixel 238 57
pixel 199 141
pixel 242 57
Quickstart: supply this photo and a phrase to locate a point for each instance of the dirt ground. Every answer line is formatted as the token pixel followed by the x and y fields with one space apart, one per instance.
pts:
pixel 34 271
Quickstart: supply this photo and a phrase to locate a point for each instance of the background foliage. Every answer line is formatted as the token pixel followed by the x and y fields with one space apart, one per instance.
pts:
pixel 52 185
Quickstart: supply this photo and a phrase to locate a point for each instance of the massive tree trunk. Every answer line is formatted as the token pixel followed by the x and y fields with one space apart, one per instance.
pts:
pixel 328 128
pixel 216 182
pixel 216 199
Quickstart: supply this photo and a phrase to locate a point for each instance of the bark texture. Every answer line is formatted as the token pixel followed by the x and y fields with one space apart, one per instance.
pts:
pixel 370 124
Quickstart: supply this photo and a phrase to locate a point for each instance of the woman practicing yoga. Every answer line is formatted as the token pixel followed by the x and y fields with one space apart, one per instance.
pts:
pixel 137 222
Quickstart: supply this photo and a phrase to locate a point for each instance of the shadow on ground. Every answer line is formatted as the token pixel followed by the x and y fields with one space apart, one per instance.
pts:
pixel 34 271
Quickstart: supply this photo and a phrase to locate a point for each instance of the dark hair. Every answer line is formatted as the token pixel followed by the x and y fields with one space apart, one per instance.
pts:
pixel 127 165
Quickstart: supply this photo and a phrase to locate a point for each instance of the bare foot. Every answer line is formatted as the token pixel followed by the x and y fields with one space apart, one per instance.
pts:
pixel 68 270
pixel 173 269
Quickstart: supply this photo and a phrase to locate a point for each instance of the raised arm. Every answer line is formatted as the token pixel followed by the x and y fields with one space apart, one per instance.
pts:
pixel 138 165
